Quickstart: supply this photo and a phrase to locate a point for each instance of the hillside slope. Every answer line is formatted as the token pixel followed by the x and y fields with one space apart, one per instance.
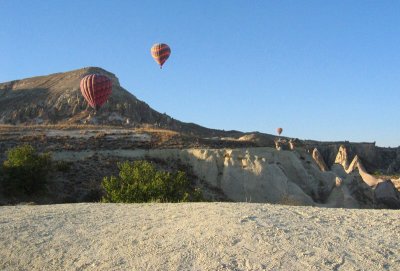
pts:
pixel 57 99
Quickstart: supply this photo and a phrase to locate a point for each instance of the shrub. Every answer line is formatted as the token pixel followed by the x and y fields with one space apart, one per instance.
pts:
pixel 140 181
pixel 25 171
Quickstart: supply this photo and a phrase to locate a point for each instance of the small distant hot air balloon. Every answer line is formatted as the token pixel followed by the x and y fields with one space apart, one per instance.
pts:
pixel 160 52
pixel 279 131
pixel 96 89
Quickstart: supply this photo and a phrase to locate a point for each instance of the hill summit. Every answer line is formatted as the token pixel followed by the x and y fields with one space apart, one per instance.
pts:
pixel 57 99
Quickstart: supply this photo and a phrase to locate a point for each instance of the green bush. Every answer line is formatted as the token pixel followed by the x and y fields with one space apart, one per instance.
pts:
pixel 25 171
pixel 140 181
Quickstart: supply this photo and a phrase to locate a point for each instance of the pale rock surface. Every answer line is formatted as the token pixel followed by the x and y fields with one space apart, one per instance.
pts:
pixel 396 183
pixel 342 157
pixel 356 164
pixel 259 174
pixel 292 144
pixel 368 178
pixel 384 192
pixel 254 174
pixel 319 160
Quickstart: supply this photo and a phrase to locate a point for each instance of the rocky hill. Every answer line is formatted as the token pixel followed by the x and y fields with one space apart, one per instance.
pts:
pixel 57 99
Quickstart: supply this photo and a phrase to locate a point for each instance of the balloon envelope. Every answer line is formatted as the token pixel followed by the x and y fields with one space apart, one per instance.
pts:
pixel 160 52
pixel 279 131
pixel 96 89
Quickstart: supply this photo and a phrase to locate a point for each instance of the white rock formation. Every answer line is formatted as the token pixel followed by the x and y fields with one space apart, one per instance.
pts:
pixel 256 174
pixel 367 178
pixel 263 174
pixel 342 157
pixel 356 164
pixel 292 144
pixel 319 160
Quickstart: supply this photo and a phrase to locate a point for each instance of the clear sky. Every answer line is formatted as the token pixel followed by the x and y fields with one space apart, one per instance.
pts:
pixel 323 70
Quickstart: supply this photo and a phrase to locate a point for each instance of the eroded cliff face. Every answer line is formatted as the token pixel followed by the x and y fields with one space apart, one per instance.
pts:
pixel 385 190
pixel 319 160
pixel 375 159
pixel 260 175
pixel 293 177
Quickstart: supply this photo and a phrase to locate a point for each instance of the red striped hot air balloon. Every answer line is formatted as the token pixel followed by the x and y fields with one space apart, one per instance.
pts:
pixel 279 131
pixel 96 89
pixel 160 52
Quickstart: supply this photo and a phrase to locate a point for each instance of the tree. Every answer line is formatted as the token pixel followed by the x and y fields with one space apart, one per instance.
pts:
pixel 141 181
pixel 25 171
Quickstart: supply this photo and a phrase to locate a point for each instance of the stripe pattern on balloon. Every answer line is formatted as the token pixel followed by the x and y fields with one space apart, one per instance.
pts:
pixel 96 89
pixel 160 52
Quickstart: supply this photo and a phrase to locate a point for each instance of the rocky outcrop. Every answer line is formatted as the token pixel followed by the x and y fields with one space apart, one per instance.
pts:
pixel 387 194
pixel 375 159
pixel 396 183
pixel 261 175
pixel 257 174
pixel 394 166
pixel 292 144
pixel 283 144
pixel 268 175
pixel 319 160
pixel 342 157
pixel 356 164
pixel 57 99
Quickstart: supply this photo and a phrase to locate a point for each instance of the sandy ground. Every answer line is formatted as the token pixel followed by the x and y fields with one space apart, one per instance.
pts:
pixel 197 236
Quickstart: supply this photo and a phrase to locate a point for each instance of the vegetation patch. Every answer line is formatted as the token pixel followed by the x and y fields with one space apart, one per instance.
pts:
pixel 141 181
pixel 25 171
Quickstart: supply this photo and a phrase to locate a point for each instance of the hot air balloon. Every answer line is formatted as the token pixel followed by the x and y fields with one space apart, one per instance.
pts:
pixel 96 89
pixel 279 131
pixel 160 52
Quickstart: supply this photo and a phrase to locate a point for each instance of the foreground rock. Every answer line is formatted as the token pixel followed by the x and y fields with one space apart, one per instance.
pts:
pixel 204 236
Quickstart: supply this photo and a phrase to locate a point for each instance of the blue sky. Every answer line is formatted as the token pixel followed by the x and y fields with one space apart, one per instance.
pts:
pixel 323 70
